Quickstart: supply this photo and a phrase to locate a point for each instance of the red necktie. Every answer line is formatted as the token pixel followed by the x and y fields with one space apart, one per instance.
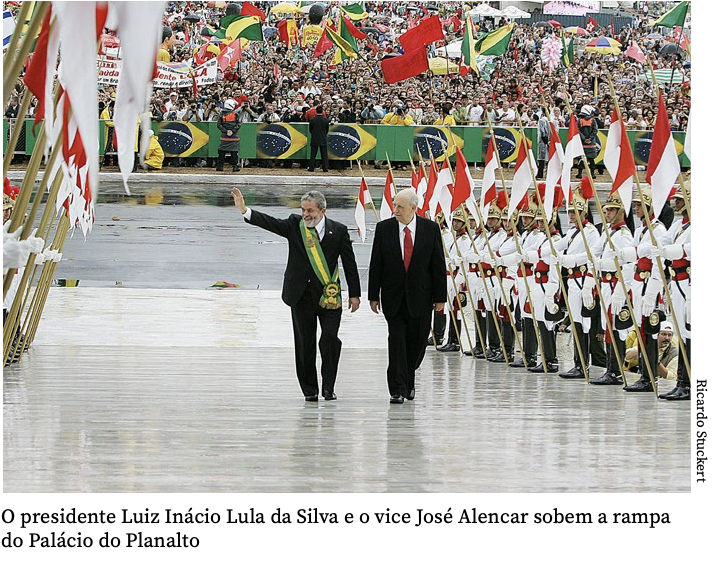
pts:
pixel 408 248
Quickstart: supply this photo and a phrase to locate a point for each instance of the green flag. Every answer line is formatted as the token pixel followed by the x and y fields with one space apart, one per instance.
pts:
pixel 344 49
pixel 468 46
pixel 567 57
pixel 355 11
pixel 495 42
pixel 674 17
pixel 248 27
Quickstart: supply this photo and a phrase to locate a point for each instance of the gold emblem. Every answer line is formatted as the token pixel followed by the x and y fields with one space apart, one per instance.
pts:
pixel 554 308
pixel 672 272
pixel 624 315
pixel 538 275
pixel 332 289
pixel 310 241
pixel 583 269
pixel 644 275
pixel 488 272
pixel 462 298
pixel 608 276
pixel 654 318
pixel 688 271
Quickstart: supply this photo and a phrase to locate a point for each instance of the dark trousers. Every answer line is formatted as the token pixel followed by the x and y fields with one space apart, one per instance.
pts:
pixel 407 337
pixel 305 316
pixel 221 159
pixel 323 156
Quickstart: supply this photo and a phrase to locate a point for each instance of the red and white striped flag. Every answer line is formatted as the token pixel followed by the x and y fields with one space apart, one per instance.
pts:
pixel 524 173
pixel 619 160
pixel 422 185
pixel 362 201
pixel 573 150
pixel 554 168
pixel 386 207
pixel 663 165
pixel 465 187
pixel 443 194
pixel 488 192
pixel 430 192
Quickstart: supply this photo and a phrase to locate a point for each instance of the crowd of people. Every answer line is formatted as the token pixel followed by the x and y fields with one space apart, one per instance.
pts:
pixel 275 83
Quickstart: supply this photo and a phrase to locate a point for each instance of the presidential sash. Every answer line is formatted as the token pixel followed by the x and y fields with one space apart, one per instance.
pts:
pixel 330 298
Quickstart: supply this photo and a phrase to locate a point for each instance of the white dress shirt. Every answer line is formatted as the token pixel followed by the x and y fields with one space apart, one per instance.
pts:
pixel 412 226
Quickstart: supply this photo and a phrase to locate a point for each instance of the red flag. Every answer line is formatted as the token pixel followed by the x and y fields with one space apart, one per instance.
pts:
pixel 249 9
pixel 386 206
pixel 431 182
pixel 633 51
pixel 323 43
pixel 36 74
pixel 428 31
pixel 591 25
pixel 229 55
pixel 405 66
pixel 464 183
pixel 355 32
pixel 619 160
pixel 288 32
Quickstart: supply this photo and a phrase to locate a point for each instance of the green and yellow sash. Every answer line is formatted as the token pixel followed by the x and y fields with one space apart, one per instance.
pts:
pixel 330 298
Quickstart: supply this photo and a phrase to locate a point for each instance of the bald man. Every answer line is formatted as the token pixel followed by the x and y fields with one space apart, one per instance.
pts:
pixel 406 281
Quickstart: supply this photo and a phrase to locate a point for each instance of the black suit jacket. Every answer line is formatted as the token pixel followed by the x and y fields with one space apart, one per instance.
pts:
pixel 299 272
pixel 424 282
pixel 319 128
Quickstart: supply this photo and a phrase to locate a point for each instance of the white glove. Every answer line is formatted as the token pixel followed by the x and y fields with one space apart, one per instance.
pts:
pixel 628 254
pixel 457 261
pixel 472 258
pixel 617 300
pixel 655 252
pixel 53 255
pixel 568 261
pixel 531 257
pixel 511 260
pixel 40 258
pixel 551 289
pixel 551 260
pixel 611 253
pixel 649 300
pixel 15 252
pixel 606 264
pixel 36 243
pixel 488 257
pixel 644 251
pixel 671 252
pixel 587 292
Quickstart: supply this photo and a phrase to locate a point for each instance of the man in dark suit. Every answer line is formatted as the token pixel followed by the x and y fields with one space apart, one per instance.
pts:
pixel 311 286
pixel 407 275
pixel 319 128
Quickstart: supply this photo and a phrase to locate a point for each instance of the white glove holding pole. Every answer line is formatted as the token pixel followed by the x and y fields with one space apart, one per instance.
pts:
pixel 531 256
pixel 551 289
pixel 671 252
pixel 568 261
pixel 617 300
pixel 511 260
pixel 649 299
pixel 587 292
pixel 36 243
pixel 15 252
pixel 487 257
pixel 628 254
pixel 472 258
pixel 551 260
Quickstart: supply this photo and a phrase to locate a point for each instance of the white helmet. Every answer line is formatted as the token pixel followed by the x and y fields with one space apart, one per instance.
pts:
pixel 230 104
pixel 587 110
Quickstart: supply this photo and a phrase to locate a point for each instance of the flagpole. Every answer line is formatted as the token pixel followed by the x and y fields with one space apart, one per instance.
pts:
pixel 598 283
pixel 513 229
pixel 482 275
pixel 15 135
pixel 362 174
pixel 661 267
pixel 583 360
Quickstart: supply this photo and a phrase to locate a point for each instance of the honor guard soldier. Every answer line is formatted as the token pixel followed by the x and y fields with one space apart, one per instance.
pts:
pixel 646 286
pixel 505 290
pixel 546 286
pixel 678 251
pixel 440 319
pixel 482 292
pixel 525 269
pixel 580 281
pixel 459 248
pixel 612 290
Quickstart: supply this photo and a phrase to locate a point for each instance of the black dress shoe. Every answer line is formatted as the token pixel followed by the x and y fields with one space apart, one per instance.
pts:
pixel 311 170
pixel 639 386
pixel 411 395
pixel 520 364
pixel 607 379
pixel 396 399
pixel 325 170
pixel 500 357
pixel 329 396
pixel 450 347
pixel 575 373
pixel 537 369
pixel 311 398
pixel 477 352
pixel 678 394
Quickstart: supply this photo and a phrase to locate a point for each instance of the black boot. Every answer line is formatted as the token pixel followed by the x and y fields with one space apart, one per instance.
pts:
pixel 529 345
pixel 453 344
pixel 540 169
pixel 644 384
pixel 548 344
pixel 438 329
pixel 612 375
pixel 477 351
pixel 508 342
pixel 576 372
pixel 682 389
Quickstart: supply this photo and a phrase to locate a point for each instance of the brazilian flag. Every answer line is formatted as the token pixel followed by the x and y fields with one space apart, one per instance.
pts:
pixel 247 27
pixel 279 141
pixel 495 42
pixel 355 11
pixel 344 49
pixel 507 141
pixel 349 141
pixel 436 141
pixel 181 138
